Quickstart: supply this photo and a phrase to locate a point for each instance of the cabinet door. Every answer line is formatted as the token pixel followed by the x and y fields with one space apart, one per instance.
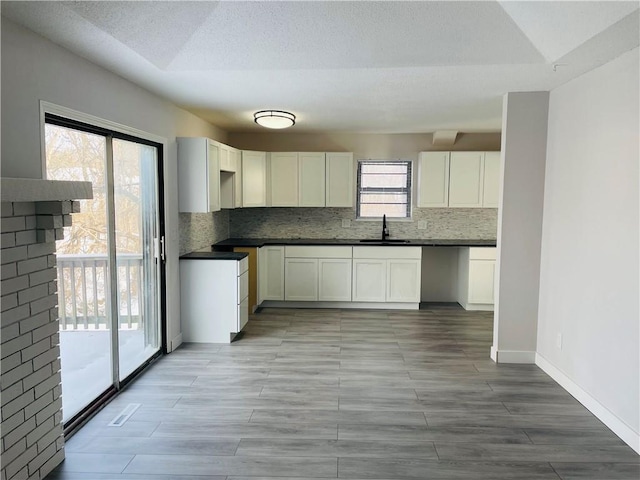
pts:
pixel 301 279
pixel 334 279
pixel 369 280
pixel 433 180
pixel 403 281
pixel 254 179
pixel 481 281
pixel 213 165
pixel 284 179
pixel 466 171
pixel 237 177
pixel 340 186
pixel 225 161
pixel 271 273
pixel 193 175
pixel 312 179
pixel 491 188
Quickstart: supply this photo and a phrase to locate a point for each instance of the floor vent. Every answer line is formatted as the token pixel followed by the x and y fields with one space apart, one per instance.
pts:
pixel 124 415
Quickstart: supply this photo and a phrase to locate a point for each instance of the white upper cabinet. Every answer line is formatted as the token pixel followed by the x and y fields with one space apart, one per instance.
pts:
pixel 433 179
pixel 466 175
pixel 340 186
pixel 254 179
pixel 237 177
pixel 311 169
pixel 458 179
pixel 198 175
pixel 230 177
pixel 283 178
pixel 491 187
pixel 227 158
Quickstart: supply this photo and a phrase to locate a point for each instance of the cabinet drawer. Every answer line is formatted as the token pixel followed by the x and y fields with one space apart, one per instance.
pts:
pixel 295 251
pixel 243 265
pixel 482 253
pixel 387 252
pixel 243 314
pixel 243 286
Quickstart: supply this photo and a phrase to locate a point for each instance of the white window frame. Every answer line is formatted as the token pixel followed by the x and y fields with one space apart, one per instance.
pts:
pixel 407 189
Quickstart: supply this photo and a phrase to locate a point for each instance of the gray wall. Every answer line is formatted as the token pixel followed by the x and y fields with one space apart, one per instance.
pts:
pixel 524 123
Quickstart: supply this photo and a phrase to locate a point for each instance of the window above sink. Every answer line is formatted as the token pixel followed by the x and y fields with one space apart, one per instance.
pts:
pixel 383 188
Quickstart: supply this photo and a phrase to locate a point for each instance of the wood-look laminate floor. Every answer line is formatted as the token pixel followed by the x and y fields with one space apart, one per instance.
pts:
pixel 310 394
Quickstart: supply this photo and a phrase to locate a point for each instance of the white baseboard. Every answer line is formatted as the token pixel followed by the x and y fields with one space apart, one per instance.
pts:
pixel 175 343
pixel 367 305
pixel 617 426
pixel 494 354
pixel 512 356
pixel 479 307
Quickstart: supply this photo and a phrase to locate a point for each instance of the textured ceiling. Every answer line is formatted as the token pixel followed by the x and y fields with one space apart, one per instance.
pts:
pixel 393 67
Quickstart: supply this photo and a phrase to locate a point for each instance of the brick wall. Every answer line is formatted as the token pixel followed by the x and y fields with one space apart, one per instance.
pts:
pixel 30 390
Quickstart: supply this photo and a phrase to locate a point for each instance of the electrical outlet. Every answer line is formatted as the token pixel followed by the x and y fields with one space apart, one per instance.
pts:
pixel 422 225
pixel 346 223
pixel 559 341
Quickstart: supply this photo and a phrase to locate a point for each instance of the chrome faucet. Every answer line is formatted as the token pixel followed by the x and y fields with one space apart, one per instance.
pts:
pixel 385 230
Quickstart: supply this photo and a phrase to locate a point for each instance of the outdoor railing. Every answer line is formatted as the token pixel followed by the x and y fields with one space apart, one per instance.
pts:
pixel 83 291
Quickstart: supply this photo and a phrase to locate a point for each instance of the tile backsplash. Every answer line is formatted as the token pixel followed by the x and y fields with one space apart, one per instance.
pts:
pixel 442 223
pixel 199 230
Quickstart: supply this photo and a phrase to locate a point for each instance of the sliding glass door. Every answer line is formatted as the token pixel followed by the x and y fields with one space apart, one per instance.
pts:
pixel 109 265
pixel 136 224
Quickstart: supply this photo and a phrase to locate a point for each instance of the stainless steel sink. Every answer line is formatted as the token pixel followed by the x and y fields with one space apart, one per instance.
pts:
pixel 383 242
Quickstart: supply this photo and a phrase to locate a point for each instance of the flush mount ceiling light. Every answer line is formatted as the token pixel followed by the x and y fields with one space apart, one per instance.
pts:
pixel 274 118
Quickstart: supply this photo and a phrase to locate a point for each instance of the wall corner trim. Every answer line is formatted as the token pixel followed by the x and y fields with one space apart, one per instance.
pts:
pixel 615 424
pixel 512 356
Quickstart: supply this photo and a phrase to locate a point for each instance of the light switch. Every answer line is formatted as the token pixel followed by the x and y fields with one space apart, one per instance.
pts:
pixel 346 223
pixel 422 225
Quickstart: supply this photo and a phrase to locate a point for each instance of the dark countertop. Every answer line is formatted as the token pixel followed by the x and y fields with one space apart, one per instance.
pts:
pixel 213 256
pixel 423 242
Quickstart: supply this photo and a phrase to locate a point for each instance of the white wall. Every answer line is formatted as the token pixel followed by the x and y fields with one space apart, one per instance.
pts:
pixel 35 69
pixel 524 141
pixel 589 264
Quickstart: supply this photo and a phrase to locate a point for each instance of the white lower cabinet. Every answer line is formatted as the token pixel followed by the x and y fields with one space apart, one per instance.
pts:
pixel 301 279
pixel 476 278
pixel 270 273
pixel 334 279
pixel 386 274
pixel 214 299
pixel 403 280
pixel 319 273
pixel 369 280
pixel 340 274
